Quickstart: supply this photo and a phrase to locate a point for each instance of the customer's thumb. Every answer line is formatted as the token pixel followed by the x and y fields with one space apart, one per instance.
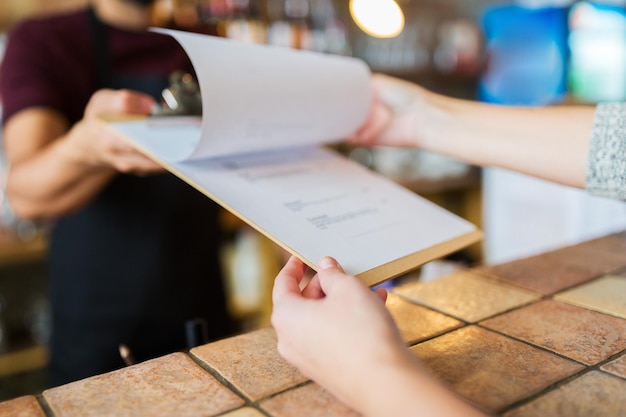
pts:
pixel 393 92
pixel 329 273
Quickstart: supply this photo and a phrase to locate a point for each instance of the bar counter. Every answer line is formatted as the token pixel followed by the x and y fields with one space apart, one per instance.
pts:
pixel 13 250
pixel 542 336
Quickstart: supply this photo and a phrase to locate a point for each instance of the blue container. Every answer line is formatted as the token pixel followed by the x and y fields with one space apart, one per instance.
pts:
pixel 527 55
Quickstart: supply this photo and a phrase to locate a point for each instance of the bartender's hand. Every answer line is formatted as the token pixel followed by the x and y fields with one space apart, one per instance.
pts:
pixel 401 114
pixel 101 147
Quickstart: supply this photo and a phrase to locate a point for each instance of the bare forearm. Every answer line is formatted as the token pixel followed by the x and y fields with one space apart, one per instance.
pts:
pixel 549 142
pixel 54 182
pixel 408 390
pixel 56 168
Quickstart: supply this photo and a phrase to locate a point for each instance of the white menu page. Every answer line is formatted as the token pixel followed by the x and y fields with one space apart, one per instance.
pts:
pixel 258 150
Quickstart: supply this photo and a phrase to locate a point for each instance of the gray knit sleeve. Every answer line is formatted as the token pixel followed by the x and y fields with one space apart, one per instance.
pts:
pixel 606 168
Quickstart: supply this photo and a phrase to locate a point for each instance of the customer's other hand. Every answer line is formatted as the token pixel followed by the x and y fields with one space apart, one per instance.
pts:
pixel 400 115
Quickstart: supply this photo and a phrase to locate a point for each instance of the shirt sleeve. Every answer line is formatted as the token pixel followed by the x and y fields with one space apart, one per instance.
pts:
pixel 606 168
pixel 27 76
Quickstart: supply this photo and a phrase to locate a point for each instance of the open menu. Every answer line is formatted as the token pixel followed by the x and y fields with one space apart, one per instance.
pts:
pixel 259 151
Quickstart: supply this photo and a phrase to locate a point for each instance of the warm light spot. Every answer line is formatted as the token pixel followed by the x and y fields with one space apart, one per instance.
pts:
pixel 378 18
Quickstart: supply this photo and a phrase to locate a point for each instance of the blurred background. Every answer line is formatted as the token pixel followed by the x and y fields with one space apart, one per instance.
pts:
pixel 530 53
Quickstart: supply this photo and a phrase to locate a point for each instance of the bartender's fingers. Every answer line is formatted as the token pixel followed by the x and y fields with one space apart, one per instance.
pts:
pixel 108 101
pixel 115 145
pixel 287 282
pixel 135 163
pixel 125 158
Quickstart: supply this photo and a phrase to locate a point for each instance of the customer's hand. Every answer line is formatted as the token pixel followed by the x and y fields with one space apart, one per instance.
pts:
pixel 336 330
pixel 339 333
pixel 402 114
pixel 99 146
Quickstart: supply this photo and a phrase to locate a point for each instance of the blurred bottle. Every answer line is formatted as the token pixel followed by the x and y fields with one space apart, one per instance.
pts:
pixel 527 54
pixel 214 14
pixel 298 13
pixel 185 14
pixel 328 31
pixel 458 47
pixel 290 23
pixel 245 22
pixel 597 42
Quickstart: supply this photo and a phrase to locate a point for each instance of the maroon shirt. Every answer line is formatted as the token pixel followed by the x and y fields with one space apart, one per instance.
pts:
pixel 51 62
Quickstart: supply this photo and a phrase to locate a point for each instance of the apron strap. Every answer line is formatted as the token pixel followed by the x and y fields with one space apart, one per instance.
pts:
pixel 101 49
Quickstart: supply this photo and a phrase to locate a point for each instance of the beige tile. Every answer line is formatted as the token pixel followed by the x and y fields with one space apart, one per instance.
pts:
pixel 466 295
pixel 26 406
pixel 251 363
pixel 172 385
pixel 310 398
pixel 417 323
pixel 545 274
pixel 593 394
pixel 491 370
pixel 606 294
pixel 244 412
pixel 616 367
pixel 583 335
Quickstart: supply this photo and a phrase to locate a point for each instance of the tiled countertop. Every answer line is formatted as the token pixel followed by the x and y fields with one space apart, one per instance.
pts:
pixel 543 336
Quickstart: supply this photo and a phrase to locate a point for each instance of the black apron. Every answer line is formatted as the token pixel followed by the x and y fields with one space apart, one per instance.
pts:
pixel 133 266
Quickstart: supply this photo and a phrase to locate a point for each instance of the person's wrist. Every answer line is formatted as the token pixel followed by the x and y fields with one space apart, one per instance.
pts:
pixel 390 379
pixel 77 150
pixel 406 386
pixel 439 122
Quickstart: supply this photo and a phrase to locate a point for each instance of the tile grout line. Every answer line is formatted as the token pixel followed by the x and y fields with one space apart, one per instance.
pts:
pixel 613 272
pixel 468 322
pixel 542 297
pixel 543 348
pixel 411 343
pixel 546 350
pixel 431 308
pixel 258 402
pixel 609 360
pixel 550 388
pixel 213 372
pixel 494 277
pixel 45 406
pixel 224 381
pixel 589 308
pixel 564 381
